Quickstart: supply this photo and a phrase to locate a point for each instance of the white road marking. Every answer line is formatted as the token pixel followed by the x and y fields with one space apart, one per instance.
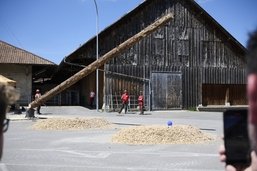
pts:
pixel 104 154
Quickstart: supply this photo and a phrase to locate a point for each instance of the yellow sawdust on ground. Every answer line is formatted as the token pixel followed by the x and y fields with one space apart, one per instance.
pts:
pixel 177 134
pixel 70 123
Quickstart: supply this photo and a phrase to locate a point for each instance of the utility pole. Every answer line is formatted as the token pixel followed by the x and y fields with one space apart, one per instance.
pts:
pixel 97 56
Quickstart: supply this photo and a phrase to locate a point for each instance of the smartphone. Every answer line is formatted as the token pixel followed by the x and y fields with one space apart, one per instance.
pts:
pixel 236 139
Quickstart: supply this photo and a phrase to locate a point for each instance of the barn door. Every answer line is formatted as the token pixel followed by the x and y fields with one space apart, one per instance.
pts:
pixel 166 90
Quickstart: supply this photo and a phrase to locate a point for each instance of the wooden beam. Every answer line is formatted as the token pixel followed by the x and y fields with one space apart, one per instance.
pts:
pixel 101 61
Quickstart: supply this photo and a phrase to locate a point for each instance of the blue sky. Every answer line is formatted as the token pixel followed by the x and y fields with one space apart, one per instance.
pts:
pixel 53 29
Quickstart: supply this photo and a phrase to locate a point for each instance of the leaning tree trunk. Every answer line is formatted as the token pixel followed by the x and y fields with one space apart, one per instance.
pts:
pixel 101 61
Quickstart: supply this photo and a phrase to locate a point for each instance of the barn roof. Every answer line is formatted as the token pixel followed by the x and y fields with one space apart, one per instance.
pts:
pixel 10 54
pixel 194 4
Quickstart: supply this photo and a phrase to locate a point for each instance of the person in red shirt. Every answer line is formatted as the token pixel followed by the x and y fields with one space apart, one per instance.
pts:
pixel 125 100
pixel 141 103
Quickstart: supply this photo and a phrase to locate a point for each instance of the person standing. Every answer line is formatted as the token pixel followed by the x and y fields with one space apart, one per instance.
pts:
pixel 91 98
pixel 125 100
pixel 141 103
pixel 37 96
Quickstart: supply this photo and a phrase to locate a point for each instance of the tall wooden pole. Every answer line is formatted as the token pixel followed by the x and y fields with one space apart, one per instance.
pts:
pixel 101 61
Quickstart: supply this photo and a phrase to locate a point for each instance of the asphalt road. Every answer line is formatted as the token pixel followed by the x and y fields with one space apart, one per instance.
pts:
pixel 32 150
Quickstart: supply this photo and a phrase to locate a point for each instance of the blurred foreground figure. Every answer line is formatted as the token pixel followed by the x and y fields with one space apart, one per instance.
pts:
pixel 8 95
pixel 252 102
pixel 252 96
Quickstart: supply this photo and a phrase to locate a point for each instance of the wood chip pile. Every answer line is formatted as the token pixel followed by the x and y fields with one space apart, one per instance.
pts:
pixel 177 134
pixel 70 123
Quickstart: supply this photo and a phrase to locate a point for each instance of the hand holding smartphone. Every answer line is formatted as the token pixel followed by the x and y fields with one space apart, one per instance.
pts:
pixel 237 144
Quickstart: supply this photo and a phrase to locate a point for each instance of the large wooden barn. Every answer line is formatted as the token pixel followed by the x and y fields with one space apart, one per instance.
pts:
pixel 190 61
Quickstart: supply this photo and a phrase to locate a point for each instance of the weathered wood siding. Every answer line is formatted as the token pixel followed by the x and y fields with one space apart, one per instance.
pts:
pixel 223 75
pixel 215 94
pixel 191 44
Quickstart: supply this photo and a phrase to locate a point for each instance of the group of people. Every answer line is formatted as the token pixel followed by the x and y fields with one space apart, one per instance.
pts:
pixel 124 99
pixel 125 102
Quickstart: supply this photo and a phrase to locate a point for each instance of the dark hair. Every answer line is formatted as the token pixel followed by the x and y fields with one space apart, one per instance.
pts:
pixel 252 53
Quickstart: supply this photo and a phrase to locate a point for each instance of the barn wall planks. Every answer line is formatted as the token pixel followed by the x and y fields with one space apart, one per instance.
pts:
pixel 214 75
pixel 191 44
pixel 188 44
